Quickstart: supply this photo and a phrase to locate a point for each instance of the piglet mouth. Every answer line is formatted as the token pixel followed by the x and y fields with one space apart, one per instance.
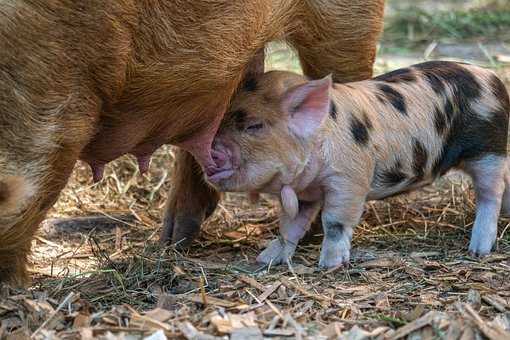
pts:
pixel 223 168
pixel 217 177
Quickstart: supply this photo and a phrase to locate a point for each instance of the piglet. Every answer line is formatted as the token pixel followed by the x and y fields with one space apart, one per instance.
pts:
pixel 335 146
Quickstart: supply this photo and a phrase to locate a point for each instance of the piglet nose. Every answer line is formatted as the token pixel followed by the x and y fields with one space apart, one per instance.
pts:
pixel 220 158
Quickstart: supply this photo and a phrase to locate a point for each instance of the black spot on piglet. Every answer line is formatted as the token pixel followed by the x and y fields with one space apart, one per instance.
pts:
pixel 420 158
pixel 390 177
pixel 441 73
pixel 395 98
pixel 397 76
pixel 440 121
pixel 359 131
pixel 239 117
pixel 249 84
pixel 333 113
pixel 333 230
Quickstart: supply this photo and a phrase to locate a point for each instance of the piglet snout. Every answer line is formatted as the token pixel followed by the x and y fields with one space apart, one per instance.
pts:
pixel 219 157
pixel 222 156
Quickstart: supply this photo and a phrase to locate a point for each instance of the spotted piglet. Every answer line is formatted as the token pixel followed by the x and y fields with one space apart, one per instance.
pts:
pixel 335 146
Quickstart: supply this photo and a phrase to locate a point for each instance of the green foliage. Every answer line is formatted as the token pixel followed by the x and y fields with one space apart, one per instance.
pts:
pixel 417 25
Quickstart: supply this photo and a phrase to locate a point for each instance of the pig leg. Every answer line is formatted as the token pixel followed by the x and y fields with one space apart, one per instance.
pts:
pixel 488 174
pixel 342 211
pixel 339 37
pixel 190 202
pixel 281 249
pixel 27 192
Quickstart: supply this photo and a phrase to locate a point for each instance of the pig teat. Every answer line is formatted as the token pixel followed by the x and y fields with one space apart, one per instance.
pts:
pixel 98 166
pixel 290 204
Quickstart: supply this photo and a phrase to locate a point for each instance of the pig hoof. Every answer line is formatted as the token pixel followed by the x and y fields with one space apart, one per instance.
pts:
pixel 277 252
pixel 334 256
pixel 180 231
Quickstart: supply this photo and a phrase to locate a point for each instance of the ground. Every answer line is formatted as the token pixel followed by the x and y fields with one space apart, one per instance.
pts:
pixel 411 276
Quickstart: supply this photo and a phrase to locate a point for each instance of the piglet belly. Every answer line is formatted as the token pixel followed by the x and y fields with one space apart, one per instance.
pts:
pixel 311 194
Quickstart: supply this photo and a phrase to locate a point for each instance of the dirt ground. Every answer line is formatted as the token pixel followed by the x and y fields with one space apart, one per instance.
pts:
pixel 410 276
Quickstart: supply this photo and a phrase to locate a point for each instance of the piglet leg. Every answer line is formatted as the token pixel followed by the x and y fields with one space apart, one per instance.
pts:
pixel 505 205
pixel 488 174
pixel 281 249
pixel 342 211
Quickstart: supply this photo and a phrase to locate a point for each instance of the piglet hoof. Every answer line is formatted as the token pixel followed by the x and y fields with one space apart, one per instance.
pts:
pixel 334 256
pixel 477 253
pixel 481 246
pixel 277 252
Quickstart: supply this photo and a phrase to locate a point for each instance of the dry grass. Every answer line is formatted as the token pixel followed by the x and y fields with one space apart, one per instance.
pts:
pixel 410 275
pixel 409 270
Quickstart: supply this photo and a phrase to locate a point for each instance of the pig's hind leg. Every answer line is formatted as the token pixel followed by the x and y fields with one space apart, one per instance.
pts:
pixel 281 249
pixel 489 175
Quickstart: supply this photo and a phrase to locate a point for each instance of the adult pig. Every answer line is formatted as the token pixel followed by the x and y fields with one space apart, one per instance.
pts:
pixel 94 80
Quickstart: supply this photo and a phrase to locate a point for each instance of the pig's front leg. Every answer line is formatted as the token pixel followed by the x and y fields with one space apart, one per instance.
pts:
pixel 342 210
pixel 281 249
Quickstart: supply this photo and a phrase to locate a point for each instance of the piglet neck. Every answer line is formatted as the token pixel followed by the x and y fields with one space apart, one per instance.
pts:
pixel 307 173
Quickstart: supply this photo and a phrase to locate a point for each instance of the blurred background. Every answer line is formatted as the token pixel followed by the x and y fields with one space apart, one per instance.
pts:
pixel 477 31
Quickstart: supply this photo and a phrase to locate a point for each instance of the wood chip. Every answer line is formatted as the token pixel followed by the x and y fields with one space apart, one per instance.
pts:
pixel 191 333
pixel 214 301
pixel 291 285
pixel 227 323
pixel 425 320
pixel 158 335
pixel 159 314
pixel 252 282
pixel 251 333
pixel 493 332
pixel 287 332
pixel 497 302
pixel 81 321
pixel 474 299
pixel 262 297
pixel 381 263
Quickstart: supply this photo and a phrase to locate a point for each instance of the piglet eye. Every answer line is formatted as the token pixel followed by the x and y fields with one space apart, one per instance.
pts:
pixel 255 127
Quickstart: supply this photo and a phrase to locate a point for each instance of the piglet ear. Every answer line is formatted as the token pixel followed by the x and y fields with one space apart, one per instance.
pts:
pixel 307 106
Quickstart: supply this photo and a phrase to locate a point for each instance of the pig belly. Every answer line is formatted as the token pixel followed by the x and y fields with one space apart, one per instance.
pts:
pixel 119 139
